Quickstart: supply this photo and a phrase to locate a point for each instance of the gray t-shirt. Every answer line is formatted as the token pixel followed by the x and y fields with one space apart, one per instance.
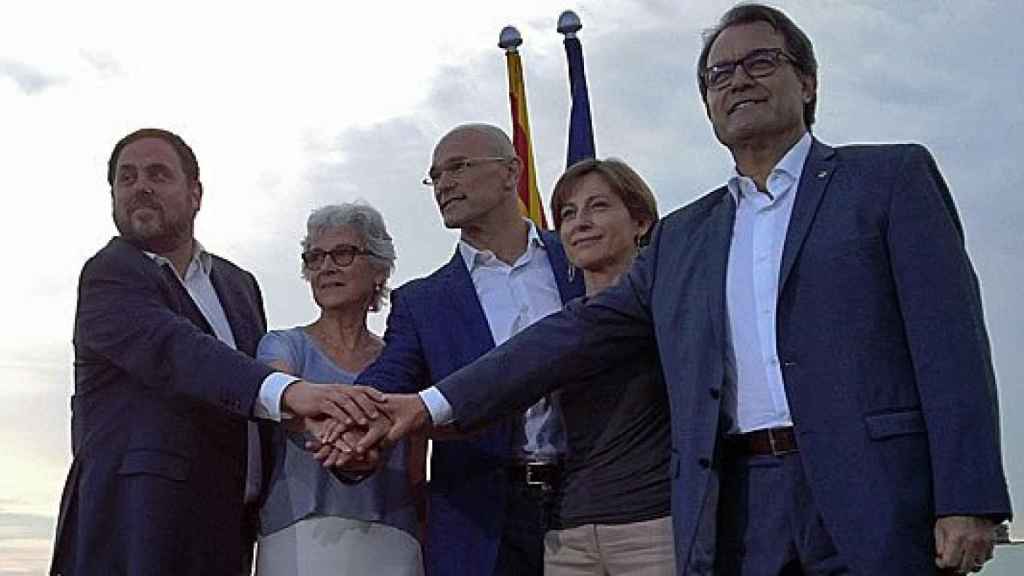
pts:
pixel 618 430
pixel 299 486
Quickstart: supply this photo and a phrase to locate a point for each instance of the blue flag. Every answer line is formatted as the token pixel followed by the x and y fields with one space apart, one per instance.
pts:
pixel 581 132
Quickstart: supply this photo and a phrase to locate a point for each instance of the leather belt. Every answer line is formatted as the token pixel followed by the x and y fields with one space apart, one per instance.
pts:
pixel 767 442
pixel 542 475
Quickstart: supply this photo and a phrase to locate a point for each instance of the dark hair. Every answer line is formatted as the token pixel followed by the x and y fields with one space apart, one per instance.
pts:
pixel 623 180
pixel 798 45
pixel 189 164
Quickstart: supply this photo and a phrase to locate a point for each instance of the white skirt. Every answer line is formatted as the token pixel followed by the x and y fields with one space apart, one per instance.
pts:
pixel 329 545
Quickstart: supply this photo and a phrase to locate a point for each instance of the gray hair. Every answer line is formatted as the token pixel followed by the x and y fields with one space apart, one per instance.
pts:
pixel 369 224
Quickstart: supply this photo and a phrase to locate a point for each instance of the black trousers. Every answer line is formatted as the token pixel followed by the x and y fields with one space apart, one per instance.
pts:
pixel 527 513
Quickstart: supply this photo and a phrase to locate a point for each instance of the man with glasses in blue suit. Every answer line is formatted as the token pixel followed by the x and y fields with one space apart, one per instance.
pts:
pixel 490 492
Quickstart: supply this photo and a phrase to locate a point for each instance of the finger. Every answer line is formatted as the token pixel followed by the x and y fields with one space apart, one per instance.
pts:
pixel 369 399
pixel 977 550
pixel 953 553
pixel 372 437
pixel 332 430
pixel 332 410
pixel 346 445
pixel 374 394
pixel 323 453
pixel 344 401
pixel 337 459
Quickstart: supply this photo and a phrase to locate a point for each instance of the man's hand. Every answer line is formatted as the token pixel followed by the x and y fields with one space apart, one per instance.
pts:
pixel 346 404
pixel 963 543
pixel 407 414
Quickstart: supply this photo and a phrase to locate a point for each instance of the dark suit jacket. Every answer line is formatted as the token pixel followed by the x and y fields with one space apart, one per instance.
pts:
pixel 436 326
pixel 885 356
pixel 158 422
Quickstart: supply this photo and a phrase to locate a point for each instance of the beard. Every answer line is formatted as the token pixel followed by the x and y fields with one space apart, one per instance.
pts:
pixel 161 232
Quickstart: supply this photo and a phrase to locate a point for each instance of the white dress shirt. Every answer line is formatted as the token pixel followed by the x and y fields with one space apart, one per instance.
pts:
pixel 198 285
pixel 755 396
pixel 513 297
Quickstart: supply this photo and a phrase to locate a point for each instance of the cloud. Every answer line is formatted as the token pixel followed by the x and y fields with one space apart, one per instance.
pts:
pixel 29 80
pixel 25 526
pixel 102 62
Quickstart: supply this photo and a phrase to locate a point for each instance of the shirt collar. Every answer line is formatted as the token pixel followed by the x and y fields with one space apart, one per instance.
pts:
pixel 474 258
pixel 201 260
pixel 791 165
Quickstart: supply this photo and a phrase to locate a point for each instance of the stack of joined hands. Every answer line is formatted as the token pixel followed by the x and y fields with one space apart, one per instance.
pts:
pixel 369 422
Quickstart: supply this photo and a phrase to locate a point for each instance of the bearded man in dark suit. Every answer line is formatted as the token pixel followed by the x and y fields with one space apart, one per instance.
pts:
pixel 164 466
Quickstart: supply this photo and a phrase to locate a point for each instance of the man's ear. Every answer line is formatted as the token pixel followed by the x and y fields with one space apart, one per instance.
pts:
pixel 809 87
pixel 515 168
pixel 195 195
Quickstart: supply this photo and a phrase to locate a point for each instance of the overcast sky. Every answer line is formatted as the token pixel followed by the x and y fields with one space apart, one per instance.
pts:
pixel 292 108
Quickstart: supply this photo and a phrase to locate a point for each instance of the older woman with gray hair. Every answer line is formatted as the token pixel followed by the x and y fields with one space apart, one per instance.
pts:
pixel 310 522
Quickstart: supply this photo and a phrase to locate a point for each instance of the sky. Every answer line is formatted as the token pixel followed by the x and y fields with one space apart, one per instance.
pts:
pixel 292 107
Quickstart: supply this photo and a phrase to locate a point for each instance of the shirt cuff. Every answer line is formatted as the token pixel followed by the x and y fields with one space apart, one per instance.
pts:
pixel 441 412
pixel 268 404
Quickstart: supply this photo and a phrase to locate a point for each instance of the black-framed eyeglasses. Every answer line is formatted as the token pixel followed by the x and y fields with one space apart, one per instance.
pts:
pixel 456 168
pixel 342 256
pixel 757 64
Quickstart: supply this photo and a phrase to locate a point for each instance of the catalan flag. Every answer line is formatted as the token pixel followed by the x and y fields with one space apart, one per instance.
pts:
pixel 529 195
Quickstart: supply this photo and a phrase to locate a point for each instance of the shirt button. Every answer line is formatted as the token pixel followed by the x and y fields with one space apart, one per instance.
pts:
pixel 715 393
pixel 774 361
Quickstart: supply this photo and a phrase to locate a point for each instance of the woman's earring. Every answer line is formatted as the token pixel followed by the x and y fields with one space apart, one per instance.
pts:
pixel 571 273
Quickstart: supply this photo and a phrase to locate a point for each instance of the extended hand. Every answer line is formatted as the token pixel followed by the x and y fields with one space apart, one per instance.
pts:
pixel 346 404
pixel 963 543
pixel 407 414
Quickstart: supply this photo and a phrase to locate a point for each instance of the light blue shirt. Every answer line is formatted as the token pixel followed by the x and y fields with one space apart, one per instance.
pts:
pixel 299 486
pixel 755 395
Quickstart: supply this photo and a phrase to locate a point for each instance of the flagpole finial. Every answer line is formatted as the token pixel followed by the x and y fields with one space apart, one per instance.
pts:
pixel 510 39
pixel 569 24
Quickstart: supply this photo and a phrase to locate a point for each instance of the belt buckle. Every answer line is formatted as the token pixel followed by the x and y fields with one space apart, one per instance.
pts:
pixel 775 450
pixel 530 481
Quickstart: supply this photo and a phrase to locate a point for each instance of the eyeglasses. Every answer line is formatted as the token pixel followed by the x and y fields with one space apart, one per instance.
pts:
pixel 456 168
pixel 757 64
pixel 342 256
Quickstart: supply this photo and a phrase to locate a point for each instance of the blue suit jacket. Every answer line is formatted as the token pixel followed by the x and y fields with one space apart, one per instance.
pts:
pixel 436 326
pixel 880 331
pixel 158 422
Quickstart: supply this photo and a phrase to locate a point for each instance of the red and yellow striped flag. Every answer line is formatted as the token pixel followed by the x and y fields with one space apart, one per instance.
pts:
pixel 529 195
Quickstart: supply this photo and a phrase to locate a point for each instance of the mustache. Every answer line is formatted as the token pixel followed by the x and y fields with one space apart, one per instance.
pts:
pixel 142 200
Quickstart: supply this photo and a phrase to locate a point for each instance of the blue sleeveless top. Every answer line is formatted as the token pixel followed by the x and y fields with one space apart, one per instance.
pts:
pixel 299 485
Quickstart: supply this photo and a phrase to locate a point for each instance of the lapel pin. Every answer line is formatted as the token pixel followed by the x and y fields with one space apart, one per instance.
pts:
pixel 822 174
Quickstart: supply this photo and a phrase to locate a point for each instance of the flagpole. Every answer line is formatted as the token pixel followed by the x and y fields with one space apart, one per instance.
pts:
pixel 529 195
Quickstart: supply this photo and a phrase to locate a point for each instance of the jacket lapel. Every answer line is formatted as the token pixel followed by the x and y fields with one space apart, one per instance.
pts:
pixel 817 173
pixel 459 296
pixel 717 241
pixel 232 300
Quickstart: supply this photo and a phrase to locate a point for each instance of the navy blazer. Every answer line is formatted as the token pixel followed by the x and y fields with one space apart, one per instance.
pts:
pixel 158 422
pixel 436 326
pixel 883 346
